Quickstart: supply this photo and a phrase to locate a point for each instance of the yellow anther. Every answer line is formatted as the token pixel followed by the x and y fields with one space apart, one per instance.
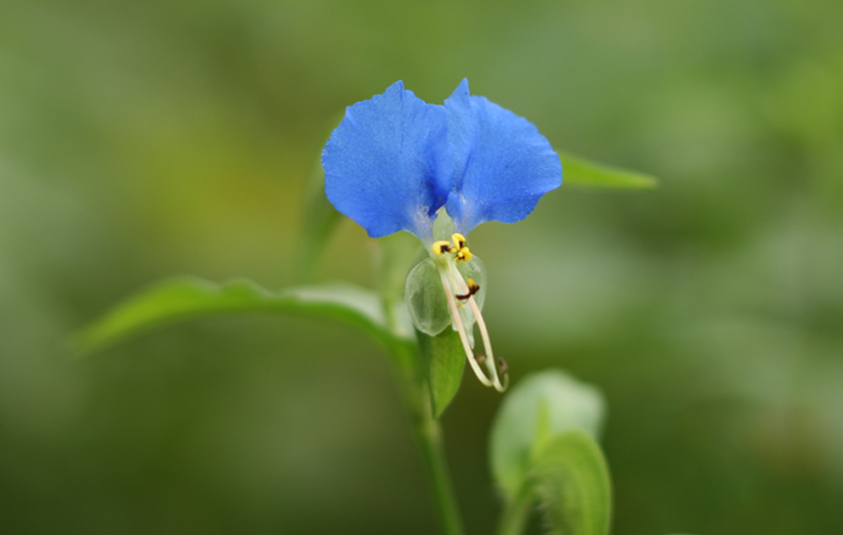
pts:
pixel 458 249
pixel 463 255
pixel 441 247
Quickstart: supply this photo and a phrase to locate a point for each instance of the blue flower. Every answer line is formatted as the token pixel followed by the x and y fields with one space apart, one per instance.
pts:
pixel 395 162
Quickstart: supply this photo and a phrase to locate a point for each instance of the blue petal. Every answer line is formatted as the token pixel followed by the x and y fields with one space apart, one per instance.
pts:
pixel 382 162
pixel 502 165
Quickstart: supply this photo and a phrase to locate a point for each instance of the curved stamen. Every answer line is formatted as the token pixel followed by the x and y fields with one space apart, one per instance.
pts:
pixel 469 352
pixel 487 344
pixel 464 288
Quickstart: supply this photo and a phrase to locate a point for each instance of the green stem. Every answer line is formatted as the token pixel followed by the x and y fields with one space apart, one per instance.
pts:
pixel 428 434
pixel 413 382
pixel 517 512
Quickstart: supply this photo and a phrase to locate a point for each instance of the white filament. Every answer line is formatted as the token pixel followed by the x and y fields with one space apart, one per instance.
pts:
pixel 469 352
pixel 461 288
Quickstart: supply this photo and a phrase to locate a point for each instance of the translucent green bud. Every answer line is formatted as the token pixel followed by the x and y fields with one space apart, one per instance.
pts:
pixel 427 300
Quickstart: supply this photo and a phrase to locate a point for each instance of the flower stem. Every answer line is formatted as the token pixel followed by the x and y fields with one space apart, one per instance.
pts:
pixel 428 434
pixel 412 380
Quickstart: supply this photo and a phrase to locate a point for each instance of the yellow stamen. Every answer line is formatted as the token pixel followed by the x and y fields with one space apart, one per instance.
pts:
pixel 463 255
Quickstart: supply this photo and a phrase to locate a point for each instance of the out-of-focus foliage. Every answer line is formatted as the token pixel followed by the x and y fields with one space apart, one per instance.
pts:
pixel 581 172
pixel 319 221
pixel 572 482
pixel 144 139
pixel 540 406
pixel 544 451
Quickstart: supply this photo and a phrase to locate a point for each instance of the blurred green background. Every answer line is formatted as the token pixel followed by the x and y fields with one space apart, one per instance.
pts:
pixel 144 139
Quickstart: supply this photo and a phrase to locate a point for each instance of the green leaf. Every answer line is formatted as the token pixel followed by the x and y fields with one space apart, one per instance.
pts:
pixel 320 216
pixel 320 220
pixel 539 407
pixel 543 449
pixel 186 297
pixel 581 172
pixel 571 479
pixel 445 360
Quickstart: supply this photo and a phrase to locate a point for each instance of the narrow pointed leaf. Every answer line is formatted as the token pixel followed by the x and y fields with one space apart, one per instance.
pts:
pixel 582 172
pixel 571 480
pixel 185 298
pixel 445 361
pixel 320 216
pixel 320 220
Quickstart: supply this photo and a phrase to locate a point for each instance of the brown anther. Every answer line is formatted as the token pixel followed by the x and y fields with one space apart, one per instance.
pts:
pixel 504 367
pixel 480 358
pixel 441 247
pixel 473 288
